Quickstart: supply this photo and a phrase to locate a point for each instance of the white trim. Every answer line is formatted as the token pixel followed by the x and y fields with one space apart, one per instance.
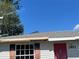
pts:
pixel 22 39
pixel 25 49
pixel 63 38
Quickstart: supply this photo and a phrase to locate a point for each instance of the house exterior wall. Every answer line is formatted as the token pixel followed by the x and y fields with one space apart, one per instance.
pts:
pixel 4 51
pixel 73 49
pixel 46 50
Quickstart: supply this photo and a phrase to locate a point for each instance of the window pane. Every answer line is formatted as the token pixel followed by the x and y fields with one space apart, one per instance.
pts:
pixel 31 46
pixel 27 57
pixel 22 46
pixel 17 46
pixel 31 57
pixel 22 57
pixel 17 57
pixel 27 46
pixel 31 52
pixel 22 52
pixel 26 51
pixel 17 52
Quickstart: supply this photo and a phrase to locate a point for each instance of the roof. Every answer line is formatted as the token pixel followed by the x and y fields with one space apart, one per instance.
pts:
pixel 42 36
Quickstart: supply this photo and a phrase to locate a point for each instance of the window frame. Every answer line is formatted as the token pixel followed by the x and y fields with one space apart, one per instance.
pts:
pixel 24 50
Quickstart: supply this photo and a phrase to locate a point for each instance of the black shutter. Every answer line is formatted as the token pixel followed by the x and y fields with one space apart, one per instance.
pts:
pixel 12 47
pixel 37 45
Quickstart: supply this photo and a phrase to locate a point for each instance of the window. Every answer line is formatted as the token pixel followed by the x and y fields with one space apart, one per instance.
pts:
pixel 25 51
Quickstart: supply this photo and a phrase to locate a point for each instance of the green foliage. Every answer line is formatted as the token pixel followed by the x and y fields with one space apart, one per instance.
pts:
pixel 11 24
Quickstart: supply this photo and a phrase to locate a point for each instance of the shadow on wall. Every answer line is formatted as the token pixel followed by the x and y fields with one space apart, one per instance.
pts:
pixel 47 46
pixel 73 53
pixel 4 47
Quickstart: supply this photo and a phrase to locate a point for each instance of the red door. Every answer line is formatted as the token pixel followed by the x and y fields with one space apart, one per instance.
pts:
pixel 60 51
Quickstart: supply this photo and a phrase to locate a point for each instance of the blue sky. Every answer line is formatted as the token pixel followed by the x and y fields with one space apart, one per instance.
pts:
pixel 49 15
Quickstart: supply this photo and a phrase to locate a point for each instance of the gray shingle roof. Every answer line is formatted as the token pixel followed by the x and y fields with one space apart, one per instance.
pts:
pixel 47 34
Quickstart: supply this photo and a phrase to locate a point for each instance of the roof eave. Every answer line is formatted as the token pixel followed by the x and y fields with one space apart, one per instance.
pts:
pixel 64 38
pixel 23 39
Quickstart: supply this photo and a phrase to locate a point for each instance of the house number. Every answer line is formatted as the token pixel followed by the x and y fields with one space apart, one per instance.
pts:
pixel 72 46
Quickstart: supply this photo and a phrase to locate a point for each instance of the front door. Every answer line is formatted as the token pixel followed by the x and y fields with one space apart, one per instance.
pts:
pixel 60 51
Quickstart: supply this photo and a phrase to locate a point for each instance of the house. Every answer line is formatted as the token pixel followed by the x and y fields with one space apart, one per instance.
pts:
pixel 49 45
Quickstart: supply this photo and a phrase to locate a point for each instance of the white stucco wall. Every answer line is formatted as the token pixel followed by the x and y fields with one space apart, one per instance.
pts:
pixel 4 51
pixel 47 50
pixel 73 52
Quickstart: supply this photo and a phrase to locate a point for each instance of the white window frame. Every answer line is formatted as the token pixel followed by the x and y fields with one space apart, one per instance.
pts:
pixel 25 49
